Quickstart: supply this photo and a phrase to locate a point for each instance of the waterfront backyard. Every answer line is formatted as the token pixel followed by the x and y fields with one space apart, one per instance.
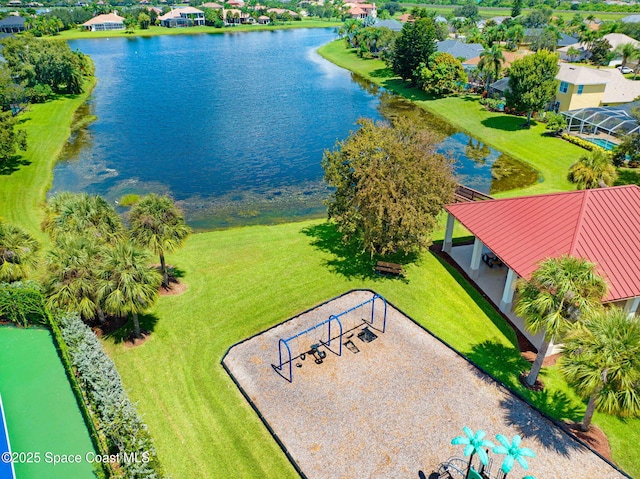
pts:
pixel 241 281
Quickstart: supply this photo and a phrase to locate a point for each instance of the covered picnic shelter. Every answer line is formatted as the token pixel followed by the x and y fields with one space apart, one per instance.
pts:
pixel 601 225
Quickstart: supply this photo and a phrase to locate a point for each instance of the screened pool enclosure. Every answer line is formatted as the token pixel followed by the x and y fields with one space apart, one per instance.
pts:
pixel 604 126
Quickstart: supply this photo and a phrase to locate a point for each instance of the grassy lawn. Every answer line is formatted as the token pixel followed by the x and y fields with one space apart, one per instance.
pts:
pixel 40 407
pixel 550 156
pixel 154 31
pixel 240 282
pixel 24 183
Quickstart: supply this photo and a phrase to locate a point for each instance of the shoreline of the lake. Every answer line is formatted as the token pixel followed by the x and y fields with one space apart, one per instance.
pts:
pixel 498 130
pixel 199 30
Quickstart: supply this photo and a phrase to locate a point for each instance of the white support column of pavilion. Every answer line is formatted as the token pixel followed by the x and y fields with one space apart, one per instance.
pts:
pixel 631 306
pixel 475 258
pixel 509 289
pixel 448 234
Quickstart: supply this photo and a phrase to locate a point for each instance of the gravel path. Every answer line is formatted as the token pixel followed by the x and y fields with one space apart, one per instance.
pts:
pixel 391 410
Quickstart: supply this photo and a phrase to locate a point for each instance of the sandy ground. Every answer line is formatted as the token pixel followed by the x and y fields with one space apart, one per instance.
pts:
pixel 391 410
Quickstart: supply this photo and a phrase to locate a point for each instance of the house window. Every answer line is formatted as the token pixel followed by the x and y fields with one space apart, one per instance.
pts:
pixel 580 88
pixel 564 87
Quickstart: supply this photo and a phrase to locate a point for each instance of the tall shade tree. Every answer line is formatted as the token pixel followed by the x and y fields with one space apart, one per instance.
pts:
pixel 127 285
pixel 593 170
pixel 516 8
pixel 157 224
pixel 532 82
pixel 490 64
pixel 71 283
pixel 601 361
pixel 18 253
pixel 415 44
pixel 560 292
pixel 390 186
pixel 82 215
pixel 443 75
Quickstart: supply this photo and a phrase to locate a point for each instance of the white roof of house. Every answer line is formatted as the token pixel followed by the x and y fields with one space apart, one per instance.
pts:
pixel 579 75
pixel 631 19
pixel 619 89
pixel 104 18
pixel 616 39
pixel 177 13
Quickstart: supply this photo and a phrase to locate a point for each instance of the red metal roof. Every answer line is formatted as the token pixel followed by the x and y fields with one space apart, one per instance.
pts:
pixel 601 225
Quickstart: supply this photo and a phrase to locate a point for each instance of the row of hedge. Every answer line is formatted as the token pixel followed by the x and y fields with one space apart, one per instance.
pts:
pixel 119 429
pixel 576 140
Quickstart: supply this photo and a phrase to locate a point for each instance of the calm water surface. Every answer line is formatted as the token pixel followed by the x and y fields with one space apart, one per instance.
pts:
pixel 233 126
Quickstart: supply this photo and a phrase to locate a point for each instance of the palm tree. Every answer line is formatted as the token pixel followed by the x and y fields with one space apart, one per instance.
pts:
pixel 594 170
pixel 573 53
pixel 490 64
pixel 82 215
pixel 513 453
pixel 127 285
pixel 474 444
pixel 72 283
pixel 559 292
pixel 601 361
pixel 628 52
pixel 18 252
pixel 515 34
pixel 157 224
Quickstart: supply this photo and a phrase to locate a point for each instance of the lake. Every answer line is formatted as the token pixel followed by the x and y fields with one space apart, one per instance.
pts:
pixel 233 126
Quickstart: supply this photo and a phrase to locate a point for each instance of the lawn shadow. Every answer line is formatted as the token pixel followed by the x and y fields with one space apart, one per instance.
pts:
pixel 505 365
pixel 506 122
pixel 382 73
pixel 348 258
pixel 13 164
pixel 627 177
pixel 147 323
pixel 488 309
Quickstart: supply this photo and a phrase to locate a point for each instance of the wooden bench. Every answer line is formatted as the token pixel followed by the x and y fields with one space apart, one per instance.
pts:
pixel 383 267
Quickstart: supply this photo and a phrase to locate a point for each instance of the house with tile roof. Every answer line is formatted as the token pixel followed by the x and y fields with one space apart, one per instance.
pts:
pixel 583 86
pixel 105 22
pixel 12 24
pixel 460 49
pixel 361 10
pixel 600 225
pixel 182 17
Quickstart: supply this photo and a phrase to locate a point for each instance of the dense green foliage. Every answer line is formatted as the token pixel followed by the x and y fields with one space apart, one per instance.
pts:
pixel 601 361
pixel 628 149
pixel 414 45
pixel 22 303
pixel 560 292
pixel 390 186
pixel 532 82
pixel 593 170
pixel 117 418
pixel 46 63
pixel 601 52
pixel 490 64
pixel 555 123
pixel 18 252
pixel 11 139
pixel 157 224
pixel 442 75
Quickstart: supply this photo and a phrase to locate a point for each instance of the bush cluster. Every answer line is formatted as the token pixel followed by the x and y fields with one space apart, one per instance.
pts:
pixel 587 145
pixel 113 412
pixel 22 303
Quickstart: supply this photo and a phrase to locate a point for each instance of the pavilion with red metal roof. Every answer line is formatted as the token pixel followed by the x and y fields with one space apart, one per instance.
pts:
pixel 601 225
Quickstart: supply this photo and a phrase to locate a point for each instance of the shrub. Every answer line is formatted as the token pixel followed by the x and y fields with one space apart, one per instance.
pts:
pixel 555 123
pixel 587 145
pixel 129 200
pixel 39 93
pixel 492 104
pixel 22 303
pixel 115 416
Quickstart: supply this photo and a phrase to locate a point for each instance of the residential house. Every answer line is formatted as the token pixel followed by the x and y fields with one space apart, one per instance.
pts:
pixel 583 86
pixel 12 24
pixel 280 11
pixel 235 3
pixel 460 49
pixel 614 39
pixel 233 16
pixel 361 10
pixel 108 21
pixel 182 17
pixel 631 19
pixel 391 24
pixel 509 58
pixel 406 17
pixel 212 6
pixel 264 20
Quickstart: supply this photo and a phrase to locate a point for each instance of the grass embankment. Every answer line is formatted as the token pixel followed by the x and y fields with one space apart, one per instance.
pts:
pixel 24 183
pixel 550 156
pixel 155 31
